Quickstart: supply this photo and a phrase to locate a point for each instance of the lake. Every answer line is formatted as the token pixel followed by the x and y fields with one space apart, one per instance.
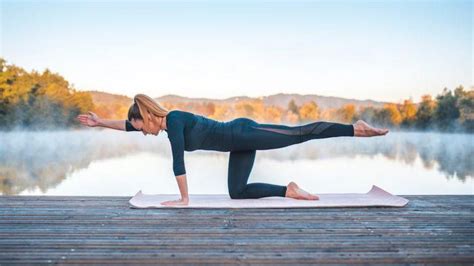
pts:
pixel 106 162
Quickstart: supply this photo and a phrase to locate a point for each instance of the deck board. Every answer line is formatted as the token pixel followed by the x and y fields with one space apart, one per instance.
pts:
pixel 104 230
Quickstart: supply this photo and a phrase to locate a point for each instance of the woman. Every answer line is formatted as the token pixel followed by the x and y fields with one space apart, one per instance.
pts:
pixel 241 137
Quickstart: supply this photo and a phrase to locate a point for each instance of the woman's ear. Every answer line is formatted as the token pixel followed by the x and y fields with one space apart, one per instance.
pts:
pixel 151 117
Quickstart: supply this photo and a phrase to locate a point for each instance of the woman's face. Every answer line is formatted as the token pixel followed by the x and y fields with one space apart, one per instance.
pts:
pixel 153 127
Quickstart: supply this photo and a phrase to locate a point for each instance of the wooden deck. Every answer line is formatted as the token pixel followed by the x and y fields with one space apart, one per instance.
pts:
pixel 100 230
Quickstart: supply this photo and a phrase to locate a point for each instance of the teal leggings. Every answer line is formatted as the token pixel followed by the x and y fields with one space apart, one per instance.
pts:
pixel 250 136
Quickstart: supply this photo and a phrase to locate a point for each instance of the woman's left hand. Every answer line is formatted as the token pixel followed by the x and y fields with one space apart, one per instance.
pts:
pixel 179 202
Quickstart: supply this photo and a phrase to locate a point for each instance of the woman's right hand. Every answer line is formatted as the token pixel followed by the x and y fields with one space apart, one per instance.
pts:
pixel 90 120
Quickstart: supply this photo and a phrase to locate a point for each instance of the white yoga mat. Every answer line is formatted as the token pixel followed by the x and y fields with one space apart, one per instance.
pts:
pixel 375 197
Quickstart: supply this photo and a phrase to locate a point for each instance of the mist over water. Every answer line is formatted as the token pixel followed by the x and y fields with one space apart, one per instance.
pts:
pixel 108 162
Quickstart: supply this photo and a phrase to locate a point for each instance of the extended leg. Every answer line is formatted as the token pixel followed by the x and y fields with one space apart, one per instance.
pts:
pixel 240 166
pixel 315 130
pixel 270 136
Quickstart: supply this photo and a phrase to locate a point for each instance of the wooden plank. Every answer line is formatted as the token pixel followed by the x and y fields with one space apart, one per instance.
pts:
pixel 104 230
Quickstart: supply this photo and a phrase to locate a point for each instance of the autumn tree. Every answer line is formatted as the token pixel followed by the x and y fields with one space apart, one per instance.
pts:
pixel 38 100
pixel 221 112
pixel 250 108
pixel 309 112
pixel 408 113
pixel 388 115
pixel 210 108
pixel 346 113
pixel 273 114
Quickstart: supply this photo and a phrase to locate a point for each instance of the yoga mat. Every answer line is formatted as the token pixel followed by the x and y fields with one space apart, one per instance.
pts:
pixel 375 197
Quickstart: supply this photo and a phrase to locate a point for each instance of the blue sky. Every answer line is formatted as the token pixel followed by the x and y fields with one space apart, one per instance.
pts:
pixel 382 50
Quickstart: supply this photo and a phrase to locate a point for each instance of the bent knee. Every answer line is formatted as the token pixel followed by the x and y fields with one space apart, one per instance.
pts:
pixel 235 194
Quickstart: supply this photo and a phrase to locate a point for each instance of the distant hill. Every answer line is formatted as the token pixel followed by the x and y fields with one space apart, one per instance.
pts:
pixel 280 100
pixel 101 98
pixel 111 106
pixel 323 102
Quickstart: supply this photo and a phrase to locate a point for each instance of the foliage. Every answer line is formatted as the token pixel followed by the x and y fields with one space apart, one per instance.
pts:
pixel 38 100
pixel 309 112
pixel 44 100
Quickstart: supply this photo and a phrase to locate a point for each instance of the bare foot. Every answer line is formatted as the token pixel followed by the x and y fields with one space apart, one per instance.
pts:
pixel 295 192
pixel 362 129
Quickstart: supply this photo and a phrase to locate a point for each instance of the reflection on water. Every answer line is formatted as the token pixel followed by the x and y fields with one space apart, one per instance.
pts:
pixel 41 161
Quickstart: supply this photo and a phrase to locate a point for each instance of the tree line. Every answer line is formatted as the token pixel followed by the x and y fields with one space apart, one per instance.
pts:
pixel 448 111
pixel 36 100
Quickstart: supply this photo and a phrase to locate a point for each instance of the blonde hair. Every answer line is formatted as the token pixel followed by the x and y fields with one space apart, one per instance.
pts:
pixel 144 105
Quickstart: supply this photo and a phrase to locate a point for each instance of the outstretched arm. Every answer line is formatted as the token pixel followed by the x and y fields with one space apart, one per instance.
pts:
pixel 93 120
pixel 113 124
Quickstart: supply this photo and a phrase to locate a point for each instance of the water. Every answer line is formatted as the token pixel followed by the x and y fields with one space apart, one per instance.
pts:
pixel 113 163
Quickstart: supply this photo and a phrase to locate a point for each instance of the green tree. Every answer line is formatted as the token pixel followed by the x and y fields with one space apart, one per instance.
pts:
pixel 367 114
pixel 37 100
pixel 425 112
pixel 466 107
pixel 293 107
pixel 446 112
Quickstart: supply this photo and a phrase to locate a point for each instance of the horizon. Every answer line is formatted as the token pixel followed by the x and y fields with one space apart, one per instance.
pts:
pixel 415 101
pixel 217 50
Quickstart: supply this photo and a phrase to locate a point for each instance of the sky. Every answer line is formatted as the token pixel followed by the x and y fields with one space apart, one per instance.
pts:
pixel 380 50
